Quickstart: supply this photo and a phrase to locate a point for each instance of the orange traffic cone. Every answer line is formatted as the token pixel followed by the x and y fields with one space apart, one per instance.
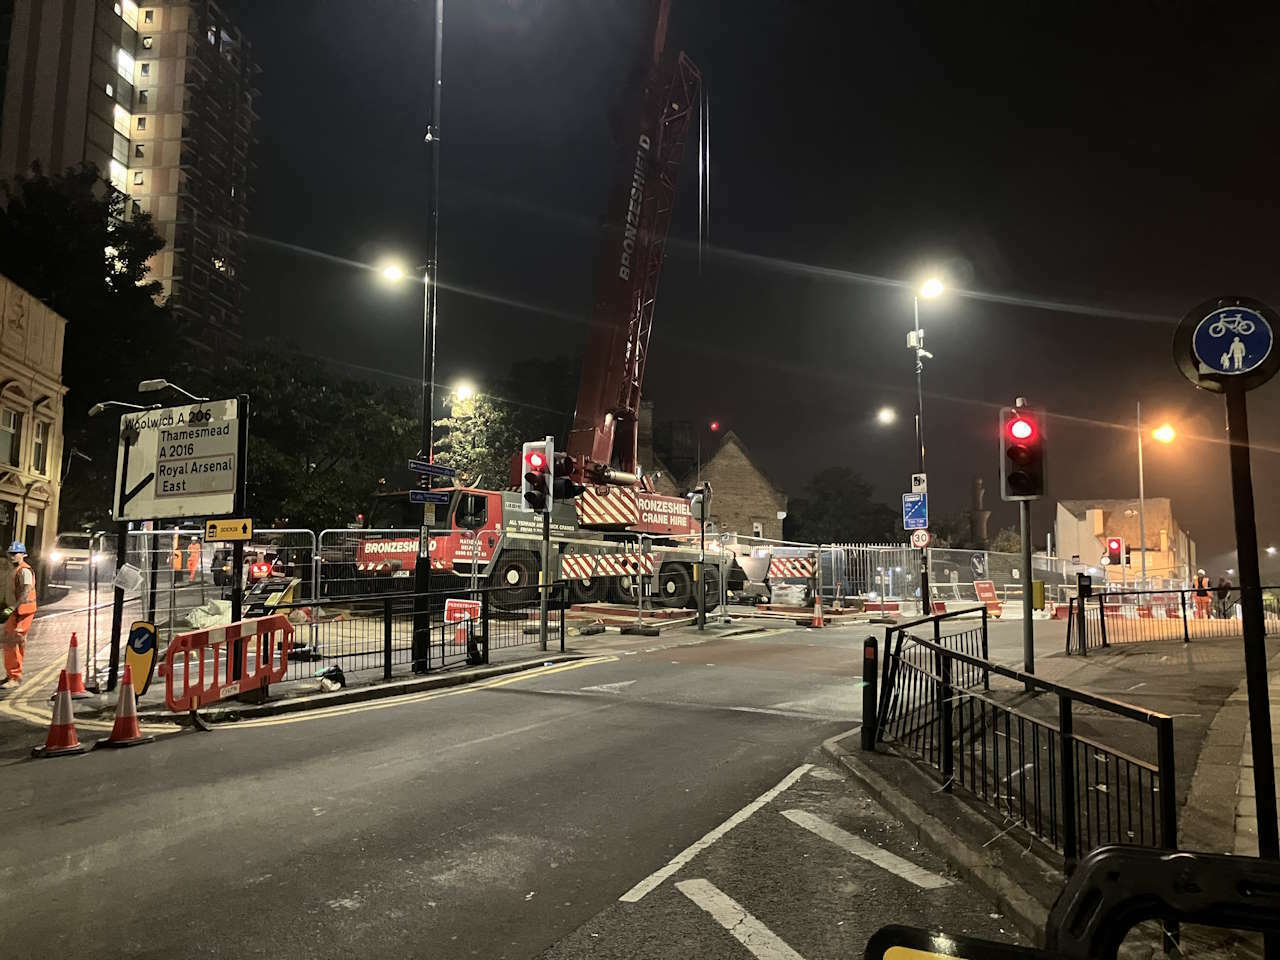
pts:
pixel 817 612
pixel 62 739
pixel 75 675
pixel 126 732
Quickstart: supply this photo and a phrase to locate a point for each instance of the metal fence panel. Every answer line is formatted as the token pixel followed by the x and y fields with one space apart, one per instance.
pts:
pixel 888 571
pixel 1139 616
pixel 366 562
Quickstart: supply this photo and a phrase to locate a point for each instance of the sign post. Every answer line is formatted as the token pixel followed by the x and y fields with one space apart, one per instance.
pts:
pixel 915 516
pixel 1227 345
pixel 544 579
pixel 421 643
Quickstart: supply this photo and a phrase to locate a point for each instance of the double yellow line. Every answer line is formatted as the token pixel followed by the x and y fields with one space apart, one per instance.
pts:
pixel 346 709
pixel 30 703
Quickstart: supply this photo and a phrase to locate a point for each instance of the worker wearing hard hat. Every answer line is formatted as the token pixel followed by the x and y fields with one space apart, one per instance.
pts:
pixel 18 620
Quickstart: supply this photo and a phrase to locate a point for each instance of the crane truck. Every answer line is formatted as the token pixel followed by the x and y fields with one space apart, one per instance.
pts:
pixel 619 528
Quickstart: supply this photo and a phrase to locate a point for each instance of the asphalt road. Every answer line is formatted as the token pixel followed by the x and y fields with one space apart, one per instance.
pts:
pixel 497 821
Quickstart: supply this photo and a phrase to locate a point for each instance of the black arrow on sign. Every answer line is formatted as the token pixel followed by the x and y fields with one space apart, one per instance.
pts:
pixel 244 528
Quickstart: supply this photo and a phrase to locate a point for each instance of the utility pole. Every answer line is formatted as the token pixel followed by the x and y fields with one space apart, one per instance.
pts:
pixel 926 607
pixel 1142 504
pixel 422 567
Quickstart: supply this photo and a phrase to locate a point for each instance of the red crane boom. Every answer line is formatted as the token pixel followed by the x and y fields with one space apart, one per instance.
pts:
pixel 602 441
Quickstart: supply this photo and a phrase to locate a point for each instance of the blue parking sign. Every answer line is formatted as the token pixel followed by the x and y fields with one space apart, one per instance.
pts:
pixel 915 511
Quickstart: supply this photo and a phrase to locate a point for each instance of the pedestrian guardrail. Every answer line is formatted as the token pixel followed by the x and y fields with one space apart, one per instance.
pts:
pixel 1037 754
pixel 374 633
pixel 1138 616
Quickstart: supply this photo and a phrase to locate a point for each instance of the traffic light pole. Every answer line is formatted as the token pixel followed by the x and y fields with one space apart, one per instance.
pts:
pixel 1028 627
pixel 545 579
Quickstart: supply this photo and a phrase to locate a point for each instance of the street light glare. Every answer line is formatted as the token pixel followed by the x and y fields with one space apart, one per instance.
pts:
pixel 931 288
pixel 886 415
pixel 464 390
pixel 1164 433
pixel 1271 551
pixel 392 272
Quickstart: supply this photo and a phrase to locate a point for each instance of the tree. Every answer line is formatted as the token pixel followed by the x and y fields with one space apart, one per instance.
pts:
pixel 1006 540
pixel 73 242
pixel 477 439
pixel 837 507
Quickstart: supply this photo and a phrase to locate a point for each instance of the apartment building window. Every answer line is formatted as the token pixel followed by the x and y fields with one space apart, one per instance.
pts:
pixel 111 91
pixel 143 97
pixel 757 528
pixel 142 123
pixel 40 448
pixel 138 151
pixel 146 69
pixel 10 436
pixel 148 42
pixel 138 179
pixel 148 16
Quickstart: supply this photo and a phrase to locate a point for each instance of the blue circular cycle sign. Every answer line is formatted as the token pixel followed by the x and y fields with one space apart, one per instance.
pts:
pixel 1232 341
pixel 1227 343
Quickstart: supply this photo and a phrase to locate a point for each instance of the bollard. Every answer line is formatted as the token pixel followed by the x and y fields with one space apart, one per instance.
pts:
pixel 870 671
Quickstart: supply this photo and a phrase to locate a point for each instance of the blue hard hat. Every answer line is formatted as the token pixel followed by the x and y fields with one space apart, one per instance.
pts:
pixel 17 547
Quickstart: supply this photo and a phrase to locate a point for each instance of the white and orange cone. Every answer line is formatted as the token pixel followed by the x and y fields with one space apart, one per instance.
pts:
pixel 126 731
pixel 75 673
pixel 62 740
pixel 817 612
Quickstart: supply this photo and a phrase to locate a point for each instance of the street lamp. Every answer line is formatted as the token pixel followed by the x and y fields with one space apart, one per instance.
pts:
pixel 886 416
pixel 1271 551
pixel 931 288
pixel 714 427
pixel 151 386
pixel 1164 434
pixel 464 390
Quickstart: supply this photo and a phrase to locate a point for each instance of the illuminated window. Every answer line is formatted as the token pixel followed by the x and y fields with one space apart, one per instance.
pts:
pixel 111 91
pixel 124 64
pixel 117 175
pixel 148 16
pixel 138 179
pixel 130 12
pixel 120 116
pixel 148 42
pixel 118 10
pixel 146 69
pixel 142 123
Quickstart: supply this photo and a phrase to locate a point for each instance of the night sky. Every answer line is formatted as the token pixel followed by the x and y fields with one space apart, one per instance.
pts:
pixel 1119 159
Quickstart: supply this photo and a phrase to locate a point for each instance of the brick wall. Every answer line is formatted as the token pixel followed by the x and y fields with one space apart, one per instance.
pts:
pixel 741 495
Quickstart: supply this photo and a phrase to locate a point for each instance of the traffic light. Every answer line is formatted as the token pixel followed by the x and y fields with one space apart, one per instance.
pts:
pixel 563 486
pixel 1021 454
pixel 1115 551
pixel 535 477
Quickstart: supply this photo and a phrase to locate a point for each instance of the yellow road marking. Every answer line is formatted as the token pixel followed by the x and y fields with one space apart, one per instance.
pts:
pixel 346 709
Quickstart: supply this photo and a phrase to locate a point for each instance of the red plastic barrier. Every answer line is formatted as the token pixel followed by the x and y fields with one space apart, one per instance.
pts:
pixel 268 639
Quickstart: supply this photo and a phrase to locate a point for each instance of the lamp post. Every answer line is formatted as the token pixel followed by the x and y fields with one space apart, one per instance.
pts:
pixel 1165 434
pixel 714 427
pixel 931 288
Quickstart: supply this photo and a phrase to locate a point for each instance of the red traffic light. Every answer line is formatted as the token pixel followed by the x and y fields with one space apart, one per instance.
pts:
pixel 1020 428
pixel 714 425
pixel 1113 544
pixel 536 460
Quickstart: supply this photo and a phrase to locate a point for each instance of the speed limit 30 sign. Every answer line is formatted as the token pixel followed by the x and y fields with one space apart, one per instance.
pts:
pixel 919 539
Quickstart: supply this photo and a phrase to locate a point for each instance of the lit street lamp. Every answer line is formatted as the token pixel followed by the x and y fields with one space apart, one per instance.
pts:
pixel 1165 434
pixel 1271 551
pixel 886 416
pixel 932 287
pixel 464 390
pixel 714 427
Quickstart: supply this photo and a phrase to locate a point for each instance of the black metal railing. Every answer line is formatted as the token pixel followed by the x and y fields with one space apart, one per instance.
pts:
pixel 374 634
pixel 1137 616
pixel 1041 763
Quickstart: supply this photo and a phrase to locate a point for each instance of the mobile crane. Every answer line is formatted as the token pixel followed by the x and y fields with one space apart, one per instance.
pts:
pixel 597 536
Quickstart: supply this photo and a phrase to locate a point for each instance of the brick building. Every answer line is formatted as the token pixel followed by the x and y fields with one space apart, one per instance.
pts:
pixel 1081 528
pixel 743 498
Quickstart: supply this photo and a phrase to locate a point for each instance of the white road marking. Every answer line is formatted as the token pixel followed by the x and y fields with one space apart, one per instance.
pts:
pixel 763 943
pixel 610 687
pixel 866 850
pixel 655 879
pixel 692 705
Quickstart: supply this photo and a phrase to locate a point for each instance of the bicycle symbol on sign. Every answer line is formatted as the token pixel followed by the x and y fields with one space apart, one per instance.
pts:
pixel 1235 324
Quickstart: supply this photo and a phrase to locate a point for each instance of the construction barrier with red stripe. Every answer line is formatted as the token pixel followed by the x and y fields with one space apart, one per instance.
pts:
pixel 584 566
pixel 792 568
pixel 268 639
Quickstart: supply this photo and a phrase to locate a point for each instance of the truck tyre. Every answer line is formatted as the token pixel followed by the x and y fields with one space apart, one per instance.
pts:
pixel 621 590
pixel 590 590
pixel 675 586
pixel 710 587
pixel 516 574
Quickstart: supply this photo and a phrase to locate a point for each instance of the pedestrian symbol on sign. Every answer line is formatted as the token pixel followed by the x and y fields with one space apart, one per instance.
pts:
pixel 1232 340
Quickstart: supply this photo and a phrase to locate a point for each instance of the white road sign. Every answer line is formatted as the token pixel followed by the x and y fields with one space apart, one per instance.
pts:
pixel 178 462
pixel 919 483
pixel 919 539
